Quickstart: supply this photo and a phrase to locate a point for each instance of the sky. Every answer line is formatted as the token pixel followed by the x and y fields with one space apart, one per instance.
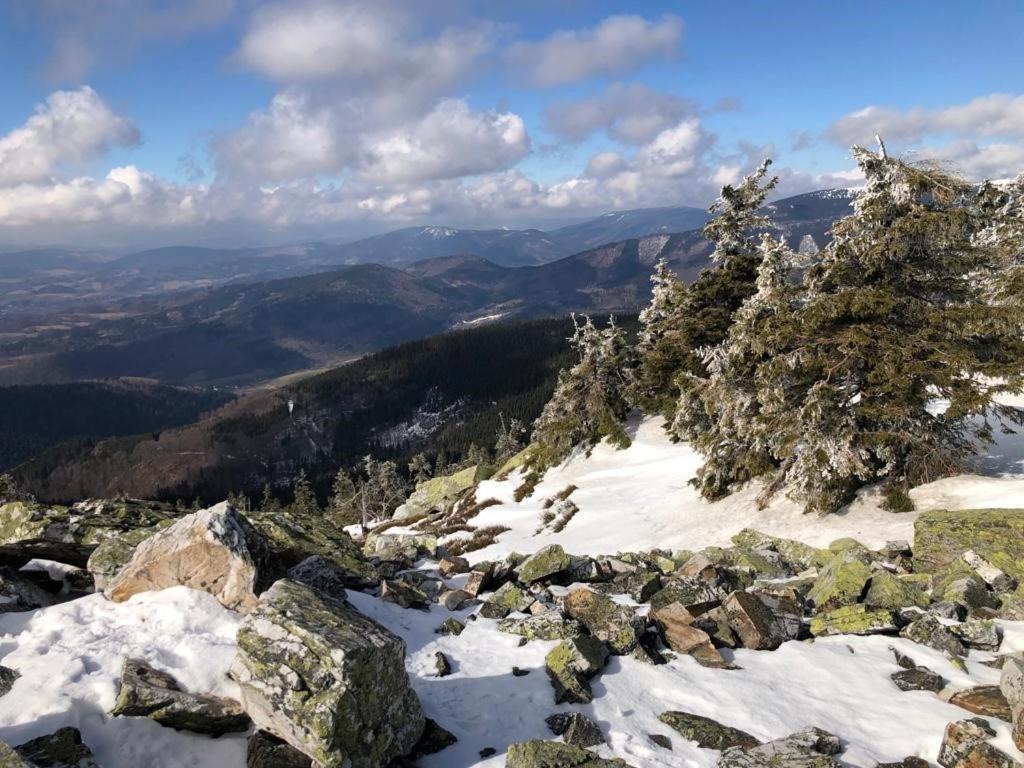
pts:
pixel 131 123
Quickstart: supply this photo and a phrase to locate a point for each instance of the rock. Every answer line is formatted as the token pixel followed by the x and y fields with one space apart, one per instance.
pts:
pixel 452 565
pixel 442 666
pixel 681 634
pixel 906 762
pixel 985 700
pixel 981 634
pixel 554 754
pixel 558 722
pixel 404 593
pixel 519 672
pixel 455 599
pixel 487 752
pixel 450 626
pixel 841 582
pixel 1011 605
pixel 322 575
pixel 265 750
pixel 997 579
pixel 615 624
pixel 1011 683
pixel 11 759
pixel 550 625
pixel 148 692
pixel 293 537
pixel 437 492
pixel 505 600
pixel 544 564
pixel 581 731
pixel 854 620
pixel 965 745
pixel 969 591
pixel 687 591
pixel 929 631
pixel 797 555
pixel 214 550
pixel 434 740
pixel 7 678
pixel 107 560
pixel 571 664
pixel 889 591
pixel 997 535
pixel 61 749
pixel 947 610
pixel 753 623
pixel 401 547
pixel 661 740
pixel 326 679
pixel 70 534
pixel 918 679
pixel 18 594
pixel 707 733
pixel 639 585
pixel 477 582
pixel 811 748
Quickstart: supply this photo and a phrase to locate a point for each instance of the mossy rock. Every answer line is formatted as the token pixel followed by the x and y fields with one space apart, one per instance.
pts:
pixel 571 663
pixel 707 733
pixel 555 754
pixel 507 599
pixel 547 562
pixel 521 459
pixel 63 748
pixel 841 582
pixel 112 555
pixel 11 759
pixel 942 536
pixel 436 492
pixel 550 625
pixel 796 553
pixel 854 620
pixel 893 592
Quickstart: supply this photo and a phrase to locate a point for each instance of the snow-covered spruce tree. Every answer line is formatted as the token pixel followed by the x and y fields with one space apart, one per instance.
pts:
pixel 898 313
pixel 682 321
pixel 591 398
pixel 509 439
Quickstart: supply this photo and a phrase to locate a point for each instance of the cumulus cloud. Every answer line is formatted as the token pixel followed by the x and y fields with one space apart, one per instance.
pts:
pixel 632 114
pixel 617 45
pixel 69 127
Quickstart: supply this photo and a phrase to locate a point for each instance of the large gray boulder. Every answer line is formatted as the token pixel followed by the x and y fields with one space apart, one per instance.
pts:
pixel 61 749
pixel 19 594
pixel 215 550
pixel 810 748
pixel 326 679
pixel 11 759
pixel 554 754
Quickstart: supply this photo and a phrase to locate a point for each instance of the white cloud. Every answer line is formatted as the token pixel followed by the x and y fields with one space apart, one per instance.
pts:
pixel 617 45
pixel 70 127
pixel 632 114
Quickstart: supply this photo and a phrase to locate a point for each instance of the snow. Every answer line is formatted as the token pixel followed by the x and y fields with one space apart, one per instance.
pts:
pixel 70 656
pixel 640 498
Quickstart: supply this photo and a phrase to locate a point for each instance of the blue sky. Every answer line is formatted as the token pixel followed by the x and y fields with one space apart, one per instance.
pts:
pixel 130 121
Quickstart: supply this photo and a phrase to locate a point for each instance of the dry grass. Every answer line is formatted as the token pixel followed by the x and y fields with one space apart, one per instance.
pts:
pixel 482 537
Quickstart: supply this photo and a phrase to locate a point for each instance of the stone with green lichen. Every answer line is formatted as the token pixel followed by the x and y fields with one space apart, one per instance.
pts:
pixel 450 626
pixel 70 534
pixel 617 625
pixel 11 759
pixel 997 535
pixel 854 620
pixel 890 591
pixel 63 748
pixel 687 591
pixel 1011 606
pixel 545 563
pixel 847 544
pixel 399 546
pixel 521 459
pixel 707 733
pixel 550 625
pixel 639 585
pixel 810 748
pixel 555 754
pixel 929 631
pixel 437 492
pixel 327 679
pixel 840 582
pixel 505 600
pixel 799 555
pixel 981 634
pixel 969 591
pixel 571 663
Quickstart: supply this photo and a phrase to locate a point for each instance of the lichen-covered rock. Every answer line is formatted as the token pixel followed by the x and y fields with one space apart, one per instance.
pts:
pixel 688 591
pixel 107 560
pixel 840 582
pixel 549 625
pixel 70 534
pixel 887 590
pixel 61 749
pixel 544 564
pixel 148 692
pixel 215 550
pixel 811 748
pixel 980 634
pixel 617 625
pixel 265 750
pixel 450 626
pixel 435 493
pixel 996 578
pixel 322 575
pixel 442 665
pixel 997 535
pixel 571 663
pixel 7 678
pixel 11 759
pixel 18 594
pixel 707 733
pixel 754 623
pixel 403 547
pixel 929 631
pixel 1011 605
pixel 965 745
pixel 854 620
pixel 505 600
pixel 554 754
pixel 918 679
pixel 1011 683
pixel 984 700
pixel 326 679
pixel 639 585
pixel 581 731
pixel 404 593
pixel 797 555
pixel 293 537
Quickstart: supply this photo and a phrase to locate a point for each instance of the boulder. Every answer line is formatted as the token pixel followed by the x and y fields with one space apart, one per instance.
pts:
pixel 984 700
pixel 321 574
pixel 18 594
pixel 997 535
pixel 455 599
pixel 477 582
pixel 70 534
pixel 918 679
pixel 571 664
pixel 707 733
pixel 581 731
pixel 887 590
pixel 452 565
pixel 687 591
pixel 811 748
pixel 969 591
pixel 7 678
pixel 639 585
pixel 11 759
pixel 965 745
pixel 906 762
pixel 437 492
pixel 997 579
pixel 928 630
pixel 326 679
pixel 549 625
pixel 1011 683
pixel 107 560
pixel 505 600
pixel 681 633
pixel 215 550
pixel 265 750
pixel 450 626
pixel 401 547
pixel 148 692
pixel 61 749
pixel 442 666
pixel 854 620
pixel 615 624
pixel 797 555
pixel 544 564
pixel 841 582
pixel 404 593
pixel 554 754
pixel 981 634
pixel 753 622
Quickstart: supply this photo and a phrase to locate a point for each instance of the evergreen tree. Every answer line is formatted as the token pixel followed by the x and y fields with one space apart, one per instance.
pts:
pixel 381 492
pixel 509 440
pixel 591 398
pixel 419 469
pixel 9 490
pixel 304 501
pixel 343 502
pixel 476 456
pixel 269 504
pixel 661 349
